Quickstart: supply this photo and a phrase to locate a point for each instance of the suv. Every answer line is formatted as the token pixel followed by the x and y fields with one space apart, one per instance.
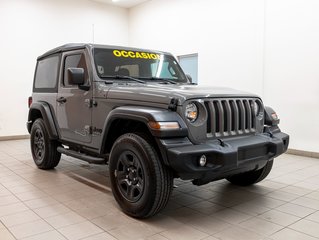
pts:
pixel 137 111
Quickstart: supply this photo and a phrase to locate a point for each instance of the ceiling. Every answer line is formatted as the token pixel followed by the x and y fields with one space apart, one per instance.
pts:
pixel 122 3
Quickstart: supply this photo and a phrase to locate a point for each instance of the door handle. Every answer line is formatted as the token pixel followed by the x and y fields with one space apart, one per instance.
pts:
pixel 61 100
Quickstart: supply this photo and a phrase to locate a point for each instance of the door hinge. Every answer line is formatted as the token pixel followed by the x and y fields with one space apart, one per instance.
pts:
pixel 90 103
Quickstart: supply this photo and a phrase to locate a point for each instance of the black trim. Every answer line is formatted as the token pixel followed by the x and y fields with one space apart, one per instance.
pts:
pixel 47 116
pixel 145 115
pixel 268 117
pixel 234 156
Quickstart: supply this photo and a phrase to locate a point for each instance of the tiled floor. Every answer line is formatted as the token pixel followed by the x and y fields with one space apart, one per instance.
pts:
pixel 74 201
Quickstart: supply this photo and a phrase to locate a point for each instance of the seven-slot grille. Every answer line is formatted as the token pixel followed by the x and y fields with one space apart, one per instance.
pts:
pixel 227 117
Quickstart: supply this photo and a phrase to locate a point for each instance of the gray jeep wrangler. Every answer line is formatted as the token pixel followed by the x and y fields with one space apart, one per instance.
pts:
pixel 137 111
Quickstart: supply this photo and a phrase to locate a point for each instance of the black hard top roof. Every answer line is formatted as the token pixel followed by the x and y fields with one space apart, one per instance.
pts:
pixel 76 46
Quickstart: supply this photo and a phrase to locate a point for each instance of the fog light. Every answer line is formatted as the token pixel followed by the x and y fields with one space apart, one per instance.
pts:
pixel 202 161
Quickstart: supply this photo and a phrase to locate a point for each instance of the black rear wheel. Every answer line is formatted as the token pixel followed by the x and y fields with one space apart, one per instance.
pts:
pixel 141 183
pixel 44 151
pixel 252 177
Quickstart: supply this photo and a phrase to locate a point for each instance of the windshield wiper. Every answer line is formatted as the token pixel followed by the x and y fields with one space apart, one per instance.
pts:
pixel 124 77
pixel 160 79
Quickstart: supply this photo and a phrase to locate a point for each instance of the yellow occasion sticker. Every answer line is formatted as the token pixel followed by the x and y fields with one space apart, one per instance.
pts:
pixel 133 54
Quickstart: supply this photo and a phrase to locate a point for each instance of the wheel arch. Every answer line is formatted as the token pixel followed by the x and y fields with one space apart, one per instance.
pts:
pixel 42 110
pixel 135 119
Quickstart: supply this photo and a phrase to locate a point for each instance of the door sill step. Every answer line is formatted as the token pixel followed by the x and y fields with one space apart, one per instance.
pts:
pixel 82 156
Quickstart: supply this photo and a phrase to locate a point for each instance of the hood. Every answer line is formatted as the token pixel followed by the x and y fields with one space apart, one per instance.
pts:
pixel 160 93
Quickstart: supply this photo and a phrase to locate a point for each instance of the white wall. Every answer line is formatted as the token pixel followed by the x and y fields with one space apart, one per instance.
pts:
pixel 226 34
pixel 270 47
pixel 31 27
pixel 273 54
pixel 292 68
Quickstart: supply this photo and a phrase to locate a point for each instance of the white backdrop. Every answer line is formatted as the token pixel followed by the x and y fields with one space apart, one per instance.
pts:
pixel 31 27
pixel 270 47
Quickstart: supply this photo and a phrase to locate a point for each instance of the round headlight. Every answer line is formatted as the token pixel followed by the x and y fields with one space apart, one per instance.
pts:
pixel 255 107
pixel 191 112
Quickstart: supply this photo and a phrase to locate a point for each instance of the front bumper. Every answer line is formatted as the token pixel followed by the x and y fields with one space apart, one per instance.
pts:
pixel 224 158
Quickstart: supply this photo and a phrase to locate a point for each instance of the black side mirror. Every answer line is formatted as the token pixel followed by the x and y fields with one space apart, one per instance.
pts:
pixel 76 76
pixel 190 79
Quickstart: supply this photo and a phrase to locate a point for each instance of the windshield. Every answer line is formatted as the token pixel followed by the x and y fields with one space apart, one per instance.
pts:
pixel 148 66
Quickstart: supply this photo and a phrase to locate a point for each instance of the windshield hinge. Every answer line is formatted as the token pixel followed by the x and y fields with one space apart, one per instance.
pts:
pixel 173 104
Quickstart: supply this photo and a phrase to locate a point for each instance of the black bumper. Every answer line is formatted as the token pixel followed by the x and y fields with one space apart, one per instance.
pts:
pixel 226 158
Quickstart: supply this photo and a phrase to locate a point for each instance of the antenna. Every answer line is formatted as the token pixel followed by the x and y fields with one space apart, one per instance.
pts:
pixel 93 33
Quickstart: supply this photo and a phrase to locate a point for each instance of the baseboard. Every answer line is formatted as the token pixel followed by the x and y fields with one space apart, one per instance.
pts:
pixel 16 137
pixel 303 153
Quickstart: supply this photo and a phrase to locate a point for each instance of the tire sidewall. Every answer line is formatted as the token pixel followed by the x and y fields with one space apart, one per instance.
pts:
pixel 39 124
pixel 145 203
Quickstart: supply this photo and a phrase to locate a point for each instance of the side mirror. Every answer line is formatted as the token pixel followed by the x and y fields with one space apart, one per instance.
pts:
pixel 190 79
pixel 76 76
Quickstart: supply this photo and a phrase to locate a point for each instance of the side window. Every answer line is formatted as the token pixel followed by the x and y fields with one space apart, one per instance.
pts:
pixel 189 64
pixel 75 61
pixel 46 74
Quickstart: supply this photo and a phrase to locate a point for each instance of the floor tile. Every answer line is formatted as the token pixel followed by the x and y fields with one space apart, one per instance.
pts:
pixel 183 214
pixel 52 210
pixel 252 209
pixel 206 207
pixel 278 217
pixel 40 202
pixel 38 205
pixel 294 209
pixel 80 230
pixel 237 233
pixel 100 236
pixel 289 234
pixel 12 208
pixel 30 228
pixel 184 233
pixel 51 235
pixel 19 218
pixel 7 200
pixel 307 202
pixel 313 217
pixel 261 226
pixel 64 220
pixel 231 216
pixel 6 235
pixel 281 195
pixel 209 225
pixel 30 195
pixel 136 230
pixel 156 237
pixel 308 227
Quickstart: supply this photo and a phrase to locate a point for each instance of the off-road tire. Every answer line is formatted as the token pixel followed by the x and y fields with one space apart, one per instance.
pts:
pixel 132 157
pixel 44 151
pixel 252 177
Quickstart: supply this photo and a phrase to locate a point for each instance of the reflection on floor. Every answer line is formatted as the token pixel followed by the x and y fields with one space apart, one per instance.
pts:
pixel 74 201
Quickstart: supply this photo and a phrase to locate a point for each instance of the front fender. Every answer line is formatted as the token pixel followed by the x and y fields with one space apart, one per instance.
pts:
pixel 269 119
pixel 146 115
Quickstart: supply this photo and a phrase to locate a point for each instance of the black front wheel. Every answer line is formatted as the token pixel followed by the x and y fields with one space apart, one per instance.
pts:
pixel 252 177
pixel 44 151
pixel 141 183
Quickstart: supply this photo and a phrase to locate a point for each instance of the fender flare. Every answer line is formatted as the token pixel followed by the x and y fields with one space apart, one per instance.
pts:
pixel 145 115
pixel 268 117
pixel 47 117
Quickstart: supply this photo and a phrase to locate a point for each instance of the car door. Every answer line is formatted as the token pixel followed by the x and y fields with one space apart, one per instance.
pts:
pixel 74 112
